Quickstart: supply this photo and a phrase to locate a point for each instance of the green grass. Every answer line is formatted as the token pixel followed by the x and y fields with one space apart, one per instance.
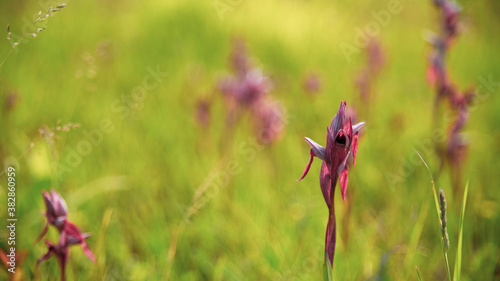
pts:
pixel 133 189
pixel 458 260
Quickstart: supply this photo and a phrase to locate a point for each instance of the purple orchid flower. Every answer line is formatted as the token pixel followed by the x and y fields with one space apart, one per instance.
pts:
pixel 56 214
pixel 70 235
pixel 269 121
pixel 312 84
pixel 56 211
pixel 340 152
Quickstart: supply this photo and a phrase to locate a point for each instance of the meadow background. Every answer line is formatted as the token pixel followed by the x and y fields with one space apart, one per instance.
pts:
pixel 132 191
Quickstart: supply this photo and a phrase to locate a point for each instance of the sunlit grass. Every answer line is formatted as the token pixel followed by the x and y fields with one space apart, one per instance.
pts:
pixel 132 190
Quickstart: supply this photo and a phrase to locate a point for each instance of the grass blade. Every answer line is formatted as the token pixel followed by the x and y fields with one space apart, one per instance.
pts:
pixel 438 212
pixel 418 273
pixel 458 259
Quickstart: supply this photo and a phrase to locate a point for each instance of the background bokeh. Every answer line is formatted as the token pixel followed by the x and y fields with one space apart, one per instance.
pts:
pixel 135 187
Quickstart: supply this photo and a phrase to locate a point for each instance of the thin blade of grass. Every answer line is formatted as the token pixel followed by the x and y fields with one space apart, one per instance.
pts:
pixel 438 212
pixel 458 259
pixel 436 201
pixel 418 273
pixel 415 238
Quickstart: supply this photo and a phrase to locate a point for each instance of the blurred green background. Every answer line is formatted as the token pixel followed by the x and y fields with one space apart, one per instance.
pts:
pixel 135 186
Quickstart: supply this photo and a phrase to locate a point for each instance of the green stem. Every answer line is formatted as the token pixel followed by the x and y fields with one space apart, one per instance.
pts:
pixel 11 50
pixel 448 274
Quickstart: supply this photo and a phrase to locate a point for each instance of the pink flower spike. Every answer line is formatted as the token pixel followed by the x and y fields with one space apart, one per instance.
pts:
pixel 341 145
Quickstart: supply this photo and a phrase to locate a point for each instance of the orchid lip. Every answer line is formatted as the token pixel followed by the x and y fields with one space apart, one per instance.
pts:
pixel 341 139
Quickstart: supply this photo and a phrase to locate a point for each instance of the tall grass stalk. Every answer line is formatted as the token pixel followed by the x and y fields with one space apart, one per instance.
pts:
pixel 438 212
pixel 40 18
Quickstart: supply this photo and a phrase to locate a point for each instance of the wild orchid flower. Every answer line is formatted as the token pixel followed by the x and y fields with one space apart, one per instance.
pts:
pixel 375 61
pixel 70 235
pixel 268 121
pixel 203 112
pixel 56 214
pixel 436 70
pixel 312 84
pixel 437 75
pixel 239 60
pixel 248 90
pixel 56 211
pixel 340 152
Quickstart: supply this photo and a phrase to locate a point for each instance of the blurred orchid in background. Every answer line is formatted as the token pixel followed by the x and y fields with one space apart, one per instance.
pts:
pixel 56 211
pixel 375 61
pixel 437 76
pixel 337 157
pixel 56 214
pixel 247 89
pixel 312 84
pixel 203 112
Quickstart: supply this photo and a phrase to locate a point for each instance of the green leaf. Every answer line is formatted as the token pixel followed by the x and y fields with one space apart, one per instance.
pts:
pixel 458 259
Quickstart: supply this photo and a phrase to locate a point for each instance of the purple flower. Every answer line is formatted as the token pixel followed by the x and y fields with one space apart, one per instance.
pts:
pixel 312 84
pixel 456 151
pixel 239 59
pixel 56 211
pixel 375 60
pixel 363 83
pixel 252 88
pixel 203 112
pixel 450 15
pixel 340 152
pixel 268 120
pixel 70 236
pixel 248 90
pixel 56 214
pixel 375 57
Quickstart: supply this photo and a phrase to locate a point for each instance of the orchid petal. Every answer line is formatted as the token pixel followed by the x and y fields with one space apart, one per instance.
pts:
pixel 339 119
pixel 354 148
pixel 348 128
pixel 44 231
pixel 318 150
pixel 47 199
pixel 307 167
pixel 60 204
pixel 87 251
pixel 330 136
pixel 343 181
pixel 47 255
pixel 325 182
pixel 357 127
